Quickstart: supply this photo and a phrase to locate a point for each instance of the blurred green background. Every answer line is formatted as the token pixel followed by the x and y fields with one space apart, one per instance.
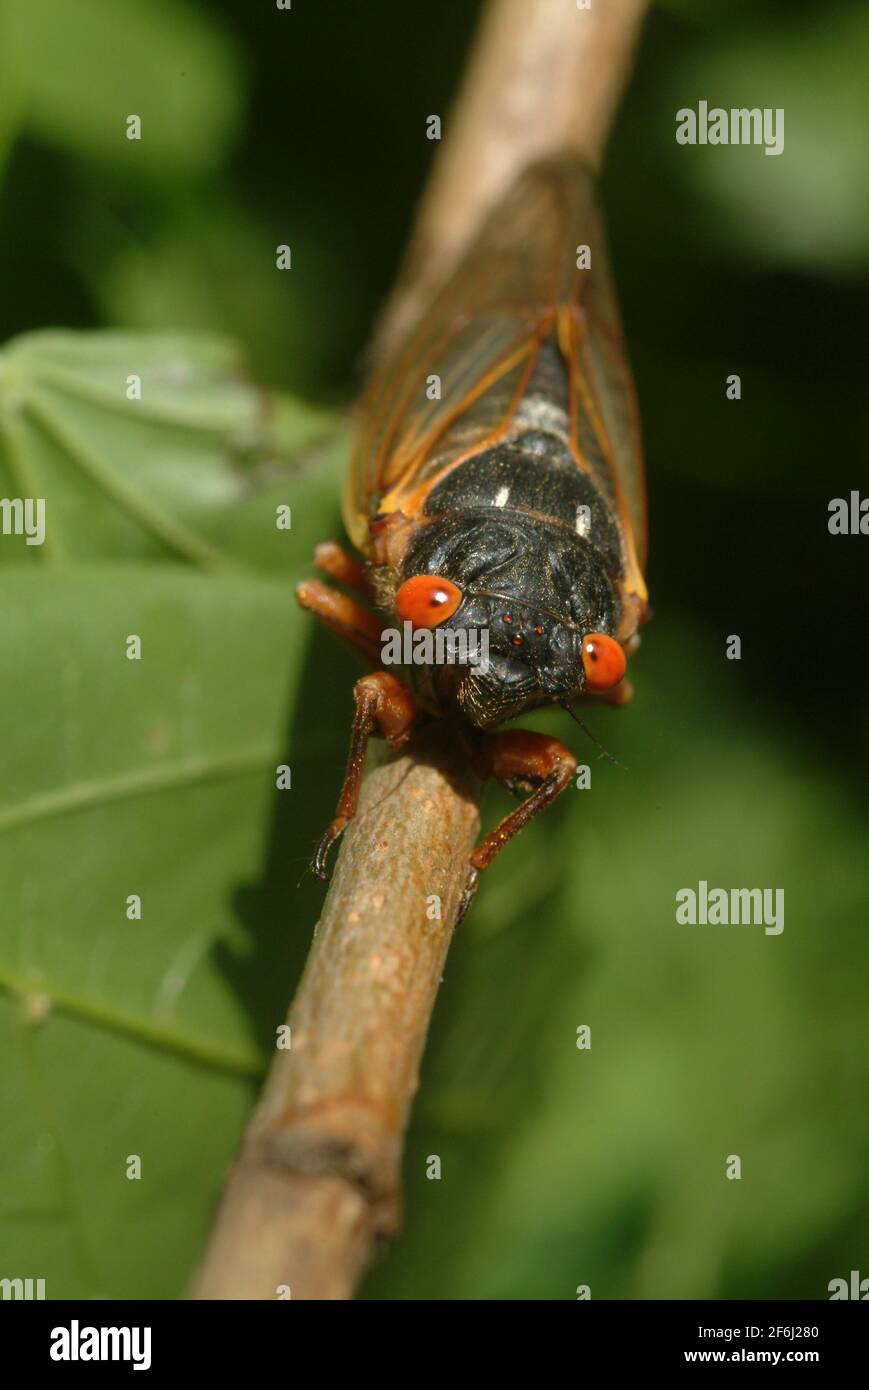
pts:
pixel 561 1167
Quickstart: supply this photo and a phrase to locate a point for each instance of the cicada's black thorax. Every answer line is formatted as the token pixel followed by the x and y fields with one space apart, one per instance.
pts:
pixel 534 547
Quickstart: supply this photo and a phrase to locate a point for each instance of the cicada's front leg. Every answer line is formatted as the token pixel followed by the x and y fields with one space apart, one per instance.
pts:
pixel 522 761
pixel 383 705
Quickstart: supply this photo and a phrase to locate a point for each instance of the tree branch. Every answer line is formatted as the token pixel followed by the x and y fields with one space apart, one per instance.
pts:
pixel 543 76
pixel 316 1189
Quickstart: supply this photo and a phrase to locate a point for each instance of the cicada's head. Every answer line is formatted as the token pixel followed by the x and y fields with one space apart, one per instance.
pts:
pixel 536 605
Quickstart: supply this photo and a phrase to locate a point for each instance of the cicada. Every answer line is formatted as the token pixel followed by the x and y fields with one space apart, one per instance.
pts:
pixel 497 486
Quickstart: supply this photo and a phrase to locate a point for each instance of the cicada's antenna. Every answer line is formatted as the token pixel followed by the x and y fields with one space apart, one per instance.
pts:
pixel 585 729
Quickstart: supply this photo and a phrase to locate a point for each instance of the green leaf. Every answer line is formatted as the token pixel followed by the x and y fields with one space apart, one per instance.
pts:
pixel 152 447
pixel 155 778
pixel 150 778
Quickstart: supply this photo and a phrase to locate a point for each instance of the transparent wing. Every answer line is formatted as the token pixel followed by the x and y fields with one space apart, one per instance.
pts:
pixel 452 388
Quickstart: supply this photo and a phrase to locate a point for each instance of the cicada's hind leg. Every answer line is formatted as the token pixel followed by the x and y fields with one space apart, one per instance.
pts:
pixel 523 761
pixel 338 563
pixel 357 626
pixel 383 705
pixel 346 617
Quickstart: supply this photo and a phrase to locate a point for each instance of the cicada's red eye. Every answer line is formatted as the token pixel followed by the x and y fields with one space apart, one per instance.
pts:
pixel 426 600
pixel 603 661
